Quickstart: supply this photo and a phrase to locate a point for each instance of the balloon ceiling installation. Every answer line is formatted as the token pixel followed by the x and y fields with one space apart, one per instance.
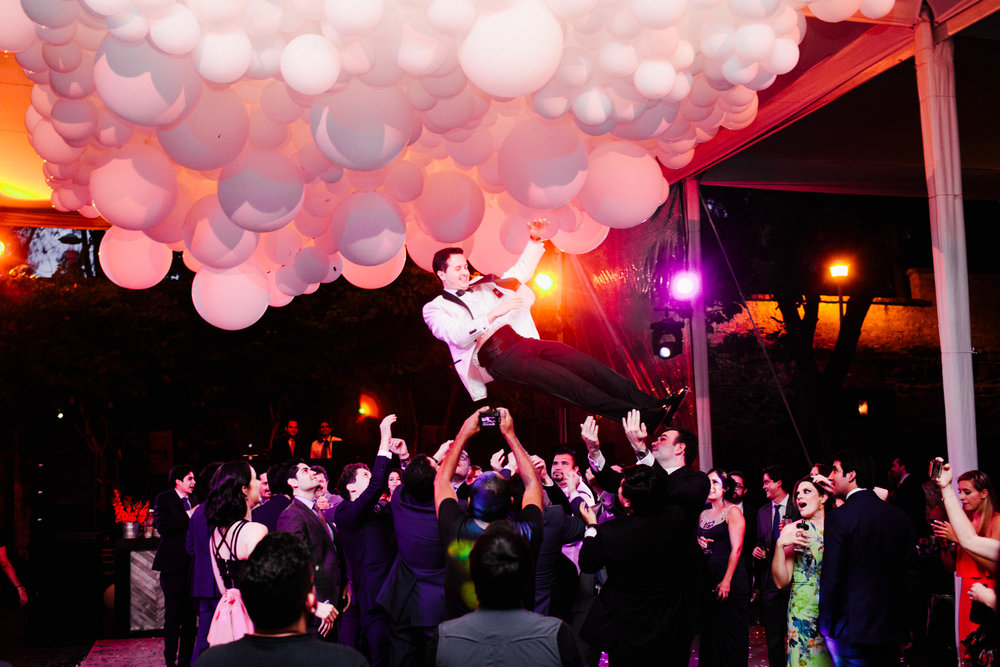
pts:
pixel 282 143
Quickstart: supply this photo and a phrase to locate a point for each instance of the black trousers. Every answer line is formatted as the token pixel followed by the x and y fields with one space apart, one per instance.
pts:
pixel 568 374
pixel 774 603
pixel 178 619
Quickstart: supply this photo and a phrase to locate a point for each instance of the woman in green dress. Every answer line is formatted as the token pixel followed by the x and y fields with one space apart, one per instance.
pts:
pixel 798 557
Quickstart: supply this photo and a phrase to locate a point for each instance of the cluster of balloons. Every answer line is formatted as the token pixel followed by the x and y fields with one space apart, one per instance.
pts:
pixel 282 143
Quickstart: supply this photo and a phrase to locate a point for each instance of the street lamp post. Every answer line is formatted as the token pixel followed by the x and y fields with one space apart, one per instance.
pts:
pixel 838 271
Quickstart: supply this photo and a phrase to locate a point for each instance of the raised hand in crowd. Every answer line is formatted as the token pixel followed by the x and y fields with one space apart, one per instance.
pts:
pixel 543 473
pixel 497 460
pixel 965 533
pixel 588 433
pixel 635 433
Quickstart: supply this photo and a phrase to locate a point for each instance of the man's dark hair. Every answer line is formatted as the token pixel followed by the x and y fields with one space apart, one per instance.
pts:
pixel 277 481
pixel 567 451
pixel 689 439
pixel 418 479
pixel 320 470
pixel 204 478
pixel 489 497
pixel 906 460
pixel 276 580
pixel 289 470
pixel 858 462
pixel 778 473
pixel 347 476
pixel 641 487
pixel 440 261
pixel 500 567
pixel 178 473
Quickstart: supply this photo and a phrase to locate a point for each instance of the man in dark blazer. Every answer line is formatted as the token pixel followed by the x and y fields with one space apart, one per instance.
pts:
pixel 289 444
pixel 281 496
pixel 670 454
pixel 644 614
pixel 413 593
pixel 301 518
pixel 775 513
pixel 869 577
pixel 171 515
pixel 204 591
pixel 369 543
pixel 909 494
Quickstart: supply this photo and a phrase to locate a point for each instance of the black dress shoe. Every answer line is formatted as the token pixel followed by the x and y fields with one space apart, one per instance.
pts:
pixel 672 404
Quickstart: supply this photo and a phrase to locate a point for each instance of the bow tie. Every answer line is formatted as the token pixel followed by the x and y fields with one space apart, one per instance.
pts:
pixel 461 292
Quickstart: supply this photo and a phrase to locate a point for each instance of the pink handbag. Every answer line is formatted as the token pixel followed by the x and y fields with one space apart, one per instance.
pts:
pixel 231 620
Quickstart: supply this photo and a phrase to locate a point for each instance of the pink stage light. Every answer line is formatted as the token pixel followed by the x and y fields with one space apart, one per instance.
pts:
pixel 684 285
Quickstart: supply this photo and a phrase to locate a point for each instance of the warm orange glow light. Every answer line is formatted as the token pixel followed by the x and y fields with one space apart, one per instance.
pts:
pixel 368 406
pixel 3 247
pixel 545 281
pixel 862 407
pixel 839 269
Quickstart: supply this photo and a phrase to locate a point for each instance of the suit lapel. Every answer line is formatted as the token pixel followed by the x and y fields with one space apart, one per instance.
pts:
pixel 454 299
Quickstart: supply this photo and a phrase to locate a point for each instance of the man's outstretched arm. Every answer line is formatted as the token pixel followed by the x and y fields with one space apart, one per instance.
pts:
pixel 442 480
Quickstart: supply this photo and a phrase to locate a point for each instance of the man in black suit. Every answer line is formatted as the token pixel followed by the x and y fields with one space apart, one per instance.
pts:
pixel 645 613
pixel 289 444
pixel 672 452
pixel 909 495
pixel 369 544
pixel 869 575
pixel 771 517
pixel 171 515
pixel 302 519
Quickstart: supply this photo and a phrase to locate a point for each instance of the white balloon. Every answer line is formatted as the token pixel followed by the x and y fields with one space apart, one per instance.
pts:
pixel 310 64
pixel 177 32
pixel 231 299
pixel 223 57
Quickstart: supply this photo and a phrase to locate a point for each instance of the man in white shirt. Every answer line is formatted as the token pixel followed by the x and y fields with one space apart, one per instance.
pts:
pixel 488 328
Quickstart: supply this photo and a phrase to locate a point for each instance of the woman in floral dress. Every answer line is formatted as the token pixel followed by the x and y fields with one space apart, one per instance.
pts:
pixel 798 557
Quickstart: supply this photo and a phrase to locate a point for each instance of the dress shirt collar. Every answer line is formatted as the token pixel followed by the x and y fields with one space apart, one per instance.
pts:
pixel 180 495
pixel 309 502
pixel 671 471
pixel 852 492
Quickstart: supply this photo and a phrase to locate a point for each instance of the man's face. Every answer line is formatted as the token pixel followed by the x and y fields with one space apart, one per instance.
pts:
pixel 362 478
pixel 740 488
pixel 563 470
pixel 186 485
pixel 456 275
pixel 292 428
pixel 265 488
pixel 321 482
pixel 305 478
pixel 772 489
pixel 841 481
pixel 324 428
pixel 462 470
pixel 667 450
pixel 897 470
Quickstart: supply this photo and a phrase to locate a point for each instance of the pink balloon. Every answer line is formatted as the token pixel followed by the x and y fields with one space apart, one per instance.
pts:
pixel 74 119
pixel 132 260
pixel 76 83
pixel 51 146
pixel 311 264
pixel 451 206
pixel 261 191
pixel 142 84
pixel 362 128
pixel 543 163
pixel 288 282
pixel 370 228
pixel 134 187
pixel 213 238
pixel 374 277
pixel 624 185
pixel 231 299
pixel 404 181
pixel 17 31
pixel 51 13
pixel 421 247
pixel 590 235
pixel 212 135
pixel 489 255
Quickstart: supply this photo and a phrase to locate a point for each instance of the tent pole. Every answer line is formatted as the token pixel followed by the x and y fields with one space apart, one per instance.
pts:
pixel 943 166
pixel 699 337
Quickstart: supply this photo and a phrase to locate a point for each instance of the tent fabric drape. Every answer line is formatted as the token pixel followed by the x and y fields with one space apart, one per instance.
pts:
pixel 942 163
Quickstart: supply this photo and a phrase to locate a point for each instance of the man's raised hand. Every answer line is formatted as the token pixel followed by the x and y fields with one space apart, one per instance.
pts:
pixel 588 433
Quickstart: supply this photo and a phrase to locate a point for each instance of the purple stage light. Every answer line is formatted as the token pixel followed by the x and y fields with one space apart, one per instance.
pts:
pixel 684 285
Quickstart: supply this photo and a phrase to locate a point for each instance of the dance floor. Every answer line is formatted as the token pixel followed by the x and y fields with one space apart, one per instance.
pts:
pixel 149 653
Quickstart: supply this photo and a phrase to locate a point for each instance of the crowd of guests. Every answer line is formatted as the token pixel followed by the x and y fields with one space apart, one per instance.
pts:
pixel 412 559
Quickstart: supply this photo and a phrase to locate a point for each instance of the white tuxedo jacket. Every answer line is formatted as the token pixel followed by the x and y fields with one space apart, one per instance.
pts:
pixel 464 334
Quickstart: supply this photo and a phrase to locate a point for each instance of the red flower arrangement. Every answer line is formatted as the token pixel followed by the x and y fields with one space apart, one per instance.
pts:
pixel 128 510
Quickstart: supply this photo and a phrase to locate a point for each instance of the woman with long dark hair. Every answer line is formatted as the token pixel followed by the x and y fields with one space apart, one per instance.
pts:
pixel 726 624
pixel 798 557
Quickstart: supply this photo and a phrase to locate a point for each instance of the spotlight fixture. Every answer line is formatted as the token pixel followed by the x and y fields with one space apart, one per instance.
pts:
pixel 684 285
pixel 668 338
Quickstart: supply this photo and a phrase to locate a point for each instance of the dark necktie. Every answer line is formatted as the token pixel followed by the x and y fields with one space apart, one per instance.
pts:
pixel 775 523
pixel 187 504
pixel 325 454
